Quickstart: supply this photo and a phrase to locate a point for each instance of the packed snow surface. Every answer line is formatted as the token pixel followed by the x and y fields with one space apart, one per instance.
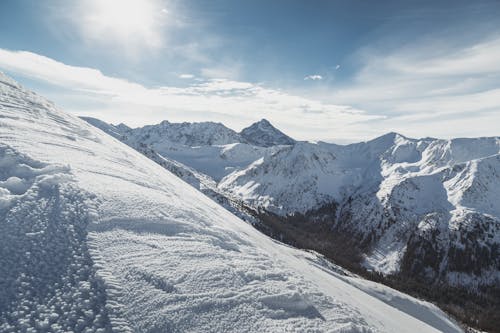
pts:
pixel 95 237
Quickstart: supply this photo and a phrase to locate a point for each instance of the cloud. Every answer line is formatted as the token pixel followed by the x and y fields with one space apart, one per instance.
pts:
pixel 337 67
pixel 421 72
pixel 42 68
pixel 431 87
pixel 236 103
pixel 186 76
pixel 313 77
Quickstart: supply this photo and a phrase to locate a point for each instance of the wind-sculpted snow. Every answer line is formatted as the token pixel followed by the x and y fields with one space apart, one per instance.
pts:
pixel 47 279
pixel 97 237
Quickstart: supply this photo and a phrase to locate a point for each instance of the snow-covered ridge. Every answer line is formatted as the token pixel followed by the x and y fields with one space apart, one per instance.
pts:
pixel 95 237
pixel 260 134
pixel 189 134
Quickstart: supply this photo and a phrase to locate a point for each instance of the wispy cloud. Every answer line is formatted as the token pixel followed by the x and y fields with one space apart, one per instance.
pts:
pixel 186 76
pixel 235 103
pixel 425 87
pixel 313 77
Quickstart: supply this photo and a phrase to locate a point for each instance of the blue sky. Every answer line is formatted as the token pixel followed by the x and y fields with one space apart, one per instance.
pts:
pixel 337 71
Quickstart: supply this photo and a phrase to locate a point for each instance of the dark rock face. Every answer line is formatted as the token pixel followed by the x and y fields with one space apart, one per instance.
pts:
pixel 263 134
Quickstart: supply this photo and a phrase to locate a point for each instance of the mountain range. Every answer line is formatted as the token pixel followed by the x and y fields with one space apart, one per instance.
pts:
pixel 426 209
pixel 394 194
pixel 105 229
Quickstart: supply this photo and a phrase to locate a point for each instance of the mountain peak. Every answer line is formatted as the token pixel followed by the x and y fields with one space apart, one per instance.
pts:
pixel 391 135
pixel 263 133
pixel 264 121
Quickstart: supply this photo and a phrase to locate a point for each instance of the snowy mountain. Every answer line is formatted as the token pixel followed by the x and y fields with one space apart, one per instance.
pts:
pixel 96 237
pixel 425 209
pixel 390 194
pixel 189 134
pixel 210 148
pixel 263 134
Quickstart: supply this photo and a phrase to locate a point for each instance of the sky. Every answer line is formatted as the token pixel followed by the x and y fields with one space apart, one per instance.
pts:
pixel 336 71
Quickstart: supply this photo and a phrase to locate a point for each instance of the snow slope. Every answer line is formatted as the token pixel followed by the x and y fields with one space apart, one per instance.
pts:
pixel 267 182
pixel 98 238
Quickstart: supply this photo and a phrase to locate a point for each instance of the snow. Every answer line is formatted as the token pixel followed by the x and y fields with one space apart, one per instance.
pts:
pixel 187 134
pixel 476 186
pixel 99 238
pixel 214 161
pixel 48 282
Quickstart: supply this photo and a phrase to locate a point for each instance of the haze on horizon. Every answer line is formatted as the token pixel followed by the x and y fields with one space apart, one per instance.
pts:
pixel 338 71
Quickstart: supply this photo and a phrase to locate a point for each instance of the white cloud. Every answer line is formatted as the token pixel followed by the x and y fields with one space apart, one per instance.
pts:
pixel 428 88
pixel 313 77
pixel 419 73
pixel 186 76
pixel 235 103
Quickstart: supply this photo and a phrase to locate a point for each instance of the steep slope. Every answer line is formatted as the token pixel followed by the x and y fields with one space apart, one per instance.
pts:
pixel 97 238
pixel 263 134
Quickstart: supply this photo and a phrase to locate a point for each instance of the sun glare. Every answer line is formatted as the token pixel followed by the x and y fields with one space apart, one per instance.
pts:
pixel 130 22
